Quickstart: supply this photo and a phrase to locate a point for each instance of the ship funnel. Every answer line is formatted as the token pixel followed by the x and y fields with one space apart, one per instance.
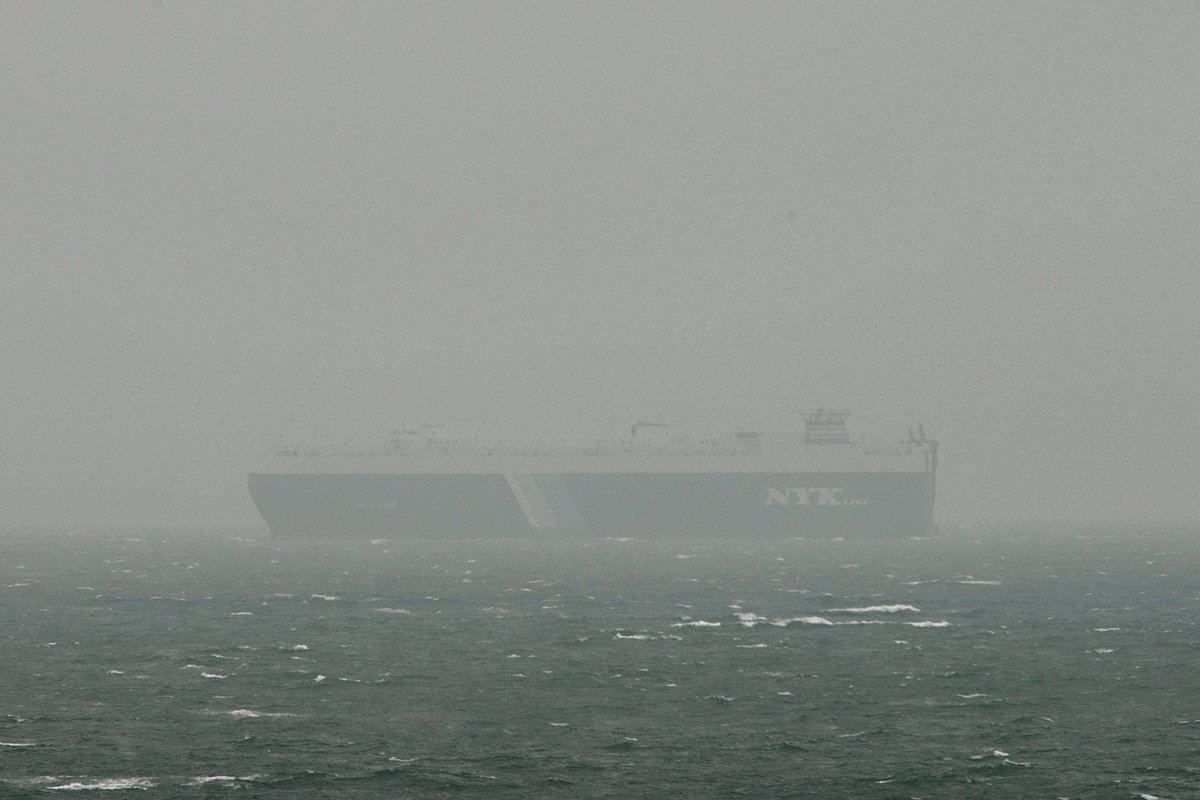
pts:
pixel 637 426
pixel 823 426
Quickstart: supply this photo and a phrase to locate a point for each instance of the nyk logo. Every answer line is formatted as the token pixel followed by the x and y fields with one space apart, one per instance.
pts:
pixel 817 496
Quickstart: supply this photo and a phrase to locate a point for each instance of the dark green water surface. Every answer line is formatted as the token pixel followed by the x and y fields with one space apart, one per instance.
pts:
pixel 972 665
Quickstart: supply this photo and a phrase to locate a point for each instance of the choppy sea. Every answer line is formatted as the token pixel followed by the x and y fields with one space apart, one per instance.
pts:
pixel 975 664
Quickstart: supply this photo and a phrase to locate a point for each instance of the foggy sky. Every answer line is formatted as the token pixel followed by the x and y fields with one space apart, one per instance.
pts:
pixel 223 223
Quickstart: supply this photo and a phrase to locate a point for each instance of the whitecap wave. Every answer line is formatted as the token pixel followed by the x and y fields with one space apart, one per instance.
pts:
pixel 403 611
pixel 815 620
pixel 249 713
pixel 642 637
pixel 698 623
pixel 200 780
pixel 886 609
pixel 107 784
pixel 749 620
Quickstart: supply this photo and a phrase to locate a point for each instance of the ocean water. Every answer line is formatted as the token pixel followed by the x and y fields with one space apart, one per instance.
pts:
pixel 971 665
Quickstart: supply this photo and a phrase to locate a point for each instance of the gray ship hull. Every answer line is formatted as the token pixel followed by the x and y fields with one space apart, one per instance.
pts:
pixel 595 504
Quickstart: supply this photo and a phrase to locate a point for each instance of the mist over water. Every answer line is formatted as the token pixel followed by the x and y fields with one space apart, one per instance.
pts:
pixel 230 226
pixel 977 664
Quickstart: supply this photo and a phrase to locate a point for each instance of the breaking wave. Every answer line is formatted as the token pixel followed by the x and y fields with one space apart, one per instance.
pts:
pixel 889 609
pixel 749 620
pixel 108 784
pixel 249 713
pixel 643 637
pixel 201 780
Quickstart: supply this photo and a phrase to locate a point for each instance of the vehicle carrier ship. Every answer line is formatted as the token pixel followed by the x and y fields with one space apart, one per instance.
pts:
pixel 429 483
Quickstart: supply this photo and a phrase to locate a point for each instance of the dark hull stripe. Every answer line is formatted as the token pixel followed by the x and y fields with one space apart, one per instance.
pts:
pixel 742 505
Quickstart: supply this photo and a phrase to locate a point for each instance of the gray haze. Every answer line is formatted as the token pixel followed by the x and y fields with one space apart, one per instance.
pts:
pixel 223 223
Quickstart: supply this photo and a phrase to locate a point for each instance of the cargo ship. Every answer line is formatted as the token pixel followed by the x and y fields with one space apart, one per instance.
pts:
pixel 432 483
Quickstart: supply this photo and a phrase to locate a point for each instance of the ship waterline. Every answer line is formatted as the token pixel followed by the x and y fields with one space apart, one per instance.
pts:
pixel 654 486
